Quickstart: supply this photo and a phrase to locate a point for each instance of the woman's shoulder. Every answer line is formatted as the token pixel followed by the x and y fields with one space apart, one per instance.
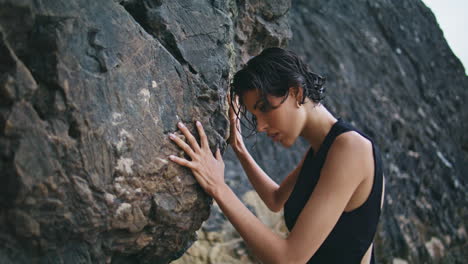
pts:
pixel 351 139
pixel 350 149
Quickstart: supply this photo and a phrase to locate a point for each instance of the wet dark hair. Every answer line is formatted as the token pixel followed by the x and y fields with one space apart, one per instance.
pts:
pixel 273 72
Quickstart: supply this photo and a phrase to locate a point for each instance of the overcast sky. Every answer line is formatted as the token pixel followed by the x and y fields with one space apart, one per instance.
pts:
pixel 452 16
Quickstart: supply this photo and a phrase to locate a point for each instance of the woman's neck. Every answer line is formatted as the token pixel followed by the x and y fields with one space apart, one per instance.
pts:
pixel 318 123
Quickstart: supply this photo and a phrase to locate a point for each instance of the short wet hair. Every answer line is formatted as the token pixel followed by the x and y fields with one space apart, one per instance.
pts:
pixel 273 72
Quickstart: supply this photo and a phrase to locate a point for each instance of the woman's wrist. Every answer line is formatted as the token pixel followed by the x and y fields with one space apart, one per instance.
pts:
pixel 239 148
pixel 218 194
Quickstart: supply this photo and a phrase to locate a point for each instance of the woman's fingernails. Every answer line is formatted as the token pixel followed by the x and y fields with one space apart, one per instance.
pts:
pixel 171 136
pixel 181 124
pixel 198 123
pixel 171 157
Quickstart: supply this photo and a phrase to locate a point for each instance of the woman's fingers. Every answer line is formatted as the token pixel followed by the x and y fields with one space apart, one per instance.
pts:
pixel 203 138
pixel 181 161
pixel 236 102
pixel 218 155
pixel 233 108
pixel 183 145
pixel 191 139
pixel 232 115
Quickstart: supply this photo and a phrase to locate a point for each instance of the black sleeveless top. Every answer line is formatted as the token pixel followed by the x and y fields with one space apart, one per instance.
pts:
pixel 355 230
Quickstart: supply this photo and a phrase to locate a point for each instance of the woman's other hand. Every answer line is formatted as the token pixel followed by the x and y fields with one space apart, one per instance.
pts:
pixel 207 169
pixel 235 137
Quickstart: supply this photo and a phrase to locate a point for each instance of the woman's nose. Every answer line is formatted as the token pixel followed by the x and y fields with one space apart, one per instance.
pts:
pixel 261 126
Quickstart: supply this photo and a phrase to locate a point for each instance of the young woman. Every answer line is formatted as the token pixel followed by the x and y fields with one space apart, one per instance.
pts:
pixel 331 201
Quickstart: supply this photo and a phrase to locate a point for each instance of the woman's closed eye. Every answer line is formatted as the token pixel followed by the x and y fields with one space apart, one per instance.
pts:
pixel 263 108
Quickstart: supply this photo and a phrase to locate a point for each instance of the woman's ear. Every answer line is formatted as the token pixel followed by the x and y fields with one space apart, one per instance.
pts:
pixel 296 92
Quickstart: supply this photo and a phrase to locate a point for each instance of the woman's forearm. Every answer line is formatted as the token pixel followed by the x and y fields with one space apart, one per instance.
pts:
pixel 265 244
pixel 262 183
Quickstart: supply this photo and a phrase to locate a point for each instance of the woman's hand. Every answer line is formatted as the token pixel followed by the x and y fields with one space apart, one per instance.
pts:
pixel 235 137
pixel 207 169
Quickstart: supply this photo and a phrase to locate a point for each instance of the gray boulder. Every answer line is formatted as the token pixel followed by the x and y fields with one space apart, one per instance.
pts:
pixel 89 92
pixel 391 74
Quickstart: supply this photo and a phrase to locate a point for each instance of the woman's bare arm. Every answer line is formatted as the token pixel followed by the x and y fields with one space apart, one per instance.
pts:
pixel 340 176
pixel 272 194
pixel 261 182
pixel 284 191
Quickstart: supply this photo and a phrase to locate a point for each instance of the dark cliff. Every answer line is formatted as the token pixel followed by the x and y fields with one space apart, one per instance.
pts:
pixel 392 73
pixel 89 91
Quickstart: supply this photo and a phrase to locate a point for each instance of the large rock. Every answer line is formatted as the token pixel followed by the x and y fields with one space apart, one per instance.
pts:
pixel 89 92
pixel 391 74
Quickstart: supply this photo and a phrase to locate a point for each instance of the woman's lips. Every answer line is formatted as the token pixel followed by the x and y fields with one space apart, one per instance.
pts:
pixel 275 137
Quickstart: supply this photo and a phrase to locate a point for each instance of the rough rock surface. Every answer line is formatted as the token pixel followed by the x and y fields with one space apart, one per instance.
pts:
pixel 89 91
pixel 391 74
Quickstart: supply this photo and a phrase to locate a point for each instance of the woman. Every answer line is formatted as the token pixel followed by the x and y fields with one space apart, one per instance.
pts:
pixel 331 201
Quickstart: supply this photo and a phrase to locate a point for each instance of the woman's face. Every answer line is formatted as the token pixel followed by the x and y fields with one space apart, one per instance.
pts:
pixel 283 124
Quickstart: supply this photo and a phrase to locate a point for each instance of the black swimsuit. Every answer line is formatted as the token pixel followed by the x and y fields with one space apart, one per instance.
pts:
pixel 355 230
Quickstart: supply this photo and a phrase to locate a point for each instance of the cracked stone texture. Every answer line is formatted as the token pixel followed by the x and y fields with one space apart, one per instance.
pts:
pixel 391 74
pixel 89 91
